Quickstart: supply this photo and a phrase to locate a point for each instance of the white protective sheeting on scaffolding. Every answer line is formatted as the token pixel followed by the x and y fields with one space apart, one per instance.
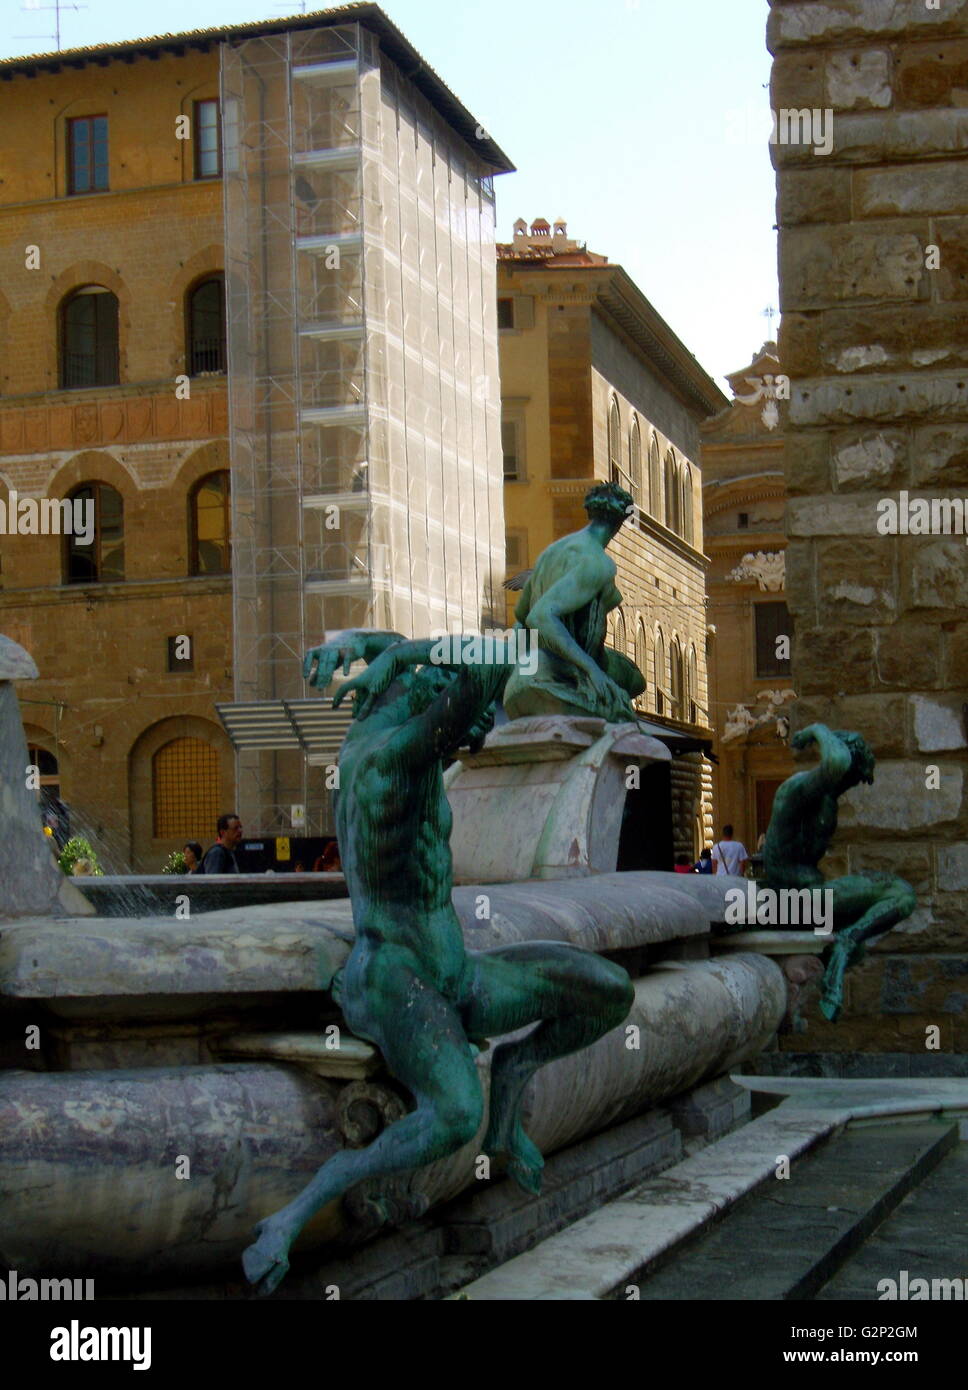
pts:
pixel 367 475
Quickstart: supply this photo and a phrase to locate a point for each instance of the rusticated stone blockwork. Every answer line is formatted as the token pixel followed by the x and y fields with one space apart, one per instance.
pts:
pixel 873 257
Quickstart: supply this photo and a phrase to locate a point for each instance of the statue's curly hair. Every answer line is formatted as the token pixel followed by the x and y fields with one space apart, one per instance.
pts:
pixel 861 756
pixel 609 502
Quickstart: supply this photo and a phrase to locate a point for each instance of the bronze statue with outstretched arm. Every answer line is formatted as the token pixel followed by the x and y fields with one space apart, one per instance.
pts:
pixel 410 986
pixel 801 827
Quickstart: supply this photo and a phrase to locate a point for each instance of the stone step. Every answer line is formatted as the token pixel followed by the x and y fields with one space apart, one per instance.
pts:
pixel 723 1226
pixel 926 1237
pixel 786 1239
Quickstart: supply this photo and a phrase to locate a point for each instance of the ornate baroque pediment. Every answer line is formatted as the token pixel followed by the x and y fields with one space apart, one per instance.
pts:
pixel 764 708
pixel 767 568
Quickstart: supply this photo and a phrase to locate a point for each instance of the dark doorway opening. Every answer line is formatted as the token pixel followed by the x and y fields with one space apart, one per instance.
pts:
pixel 646 838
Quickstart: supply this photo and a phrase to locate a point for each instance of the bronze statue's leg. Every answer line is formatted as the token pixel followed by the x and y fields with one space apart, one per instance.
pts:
pixel 424 1046
pixel 865 906
pixel 576 995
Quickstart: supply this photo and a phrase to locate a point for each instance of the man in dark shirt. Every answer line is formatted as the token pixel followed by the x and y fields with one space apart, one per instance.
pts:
pixel 220 859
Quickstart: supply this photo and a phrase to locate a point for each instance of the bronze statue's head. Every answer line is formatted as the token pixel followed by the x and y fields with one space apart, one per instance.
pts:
pixel 861 758
pixel 609 503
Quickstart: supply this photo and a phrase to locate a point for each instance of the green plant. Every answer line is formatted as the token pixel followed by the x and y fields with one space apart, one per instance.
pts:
pixel 78 848
pixel 175 863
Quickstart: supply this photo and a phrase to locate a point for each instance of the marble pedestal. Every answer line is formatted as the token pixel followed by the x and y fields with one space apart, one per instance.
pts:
pixel 544 798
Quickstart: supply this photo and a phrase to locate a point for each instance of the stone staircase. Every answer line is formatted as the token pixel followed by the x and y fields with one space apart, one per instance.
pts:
pixel 852 1206
pixel 926 1236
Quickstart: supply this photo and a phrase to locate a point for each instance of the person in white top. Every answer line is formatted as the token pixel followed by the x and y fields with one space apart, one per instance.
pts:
pixel 730 856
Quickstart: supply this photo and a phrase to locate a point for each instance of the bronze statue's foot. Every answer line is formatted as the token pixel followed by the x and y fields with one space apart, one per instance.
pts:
pixel 527 1175
pixel 830 1005
pixel 525 1163
pixel 266 1263
pixel 832 988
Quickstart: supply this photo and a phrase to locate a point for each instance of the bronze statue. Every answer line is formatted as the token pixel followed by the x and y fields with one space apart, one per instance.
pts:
pixel 566 600
pixel 410 986
pixel 801 827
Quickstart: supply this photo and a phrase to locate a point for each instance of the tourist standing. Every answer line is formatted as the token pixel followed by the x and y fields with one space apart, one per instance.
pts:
pixel 220 859
pixel 192 854
pixel 730 856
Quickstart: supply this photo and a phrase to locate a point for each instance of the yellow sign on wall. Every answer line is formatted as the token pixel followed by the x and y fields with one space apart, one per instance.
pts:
pixel 282 847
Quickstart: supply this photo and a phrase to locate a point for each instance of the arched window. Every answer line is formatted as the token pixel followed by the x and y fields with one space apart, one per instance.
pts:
pixel 185 790
pixel 206 326
pixel 655 481
pixel 89 338
pixel 614 442
pixel 671 494
pixel 693 687
pixel 46 765
pixel 642 656
pixel 660 673
pixel 687 523
pixel 95 550
pixel 635 461
pixel 675 679
pixel 621 637
pixel 211 525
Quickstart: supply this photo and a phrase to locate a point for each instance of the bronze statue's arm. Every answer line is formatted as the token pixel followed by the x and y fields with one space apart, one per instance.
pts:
pixel 835 760
pixel 450 653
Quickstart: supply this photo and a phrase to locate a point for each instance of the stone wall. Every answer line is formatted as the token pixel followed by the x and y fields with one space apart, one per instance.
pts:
pixel 874 284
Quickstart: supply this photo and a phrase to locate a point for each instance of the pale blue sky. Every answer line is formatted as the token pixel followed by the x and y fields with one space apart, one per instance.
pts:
pixel 638 121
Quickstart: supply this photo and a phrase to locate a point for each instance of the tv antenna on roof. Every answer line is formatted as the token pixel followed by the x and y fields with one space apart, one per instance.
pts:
pixel 769 313
pixel 57 6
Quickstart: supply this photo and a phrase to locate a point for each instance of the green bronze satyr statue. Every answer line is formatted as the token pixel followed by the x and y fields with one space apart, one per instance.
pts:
pixel 566 601
pixel 801 827
pixel 410 986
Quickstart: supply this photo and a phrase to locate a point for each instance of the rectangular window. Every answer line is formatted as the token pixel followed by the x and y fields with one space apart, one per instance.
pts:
pixel 505 313
pixel 516 552
pixel 743 521
pixel 208 147
pixel 772 621
pixel 512 446
pixel 180 649
pixel 87 154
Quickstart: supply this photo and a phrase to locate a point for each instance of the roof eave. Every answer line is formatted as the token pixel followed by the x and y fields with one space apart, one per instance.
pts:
pixel 396 45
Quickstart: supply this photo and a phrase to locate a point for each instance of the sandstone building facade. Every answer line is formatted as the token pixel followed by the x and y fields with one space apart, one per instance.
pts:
pixel 749 665
pixel 595 385
pixel 112 262
pixel 874 293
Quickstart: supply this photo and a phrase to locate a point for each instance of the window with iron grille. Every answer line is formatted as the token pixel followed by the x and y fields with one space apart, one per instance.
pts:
pixel 206 326
pixel 87 154
pixel 185 790
pixel 89 339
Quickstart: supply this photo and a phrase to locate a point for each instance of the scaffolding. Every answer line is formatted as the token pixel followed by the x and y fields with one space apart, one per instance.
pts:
pixel 364 403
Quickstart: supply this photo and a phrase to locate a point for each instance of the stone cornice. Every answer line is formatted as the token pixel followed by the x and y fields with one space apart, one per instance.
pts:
pixel 192 586
pixel 616 298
